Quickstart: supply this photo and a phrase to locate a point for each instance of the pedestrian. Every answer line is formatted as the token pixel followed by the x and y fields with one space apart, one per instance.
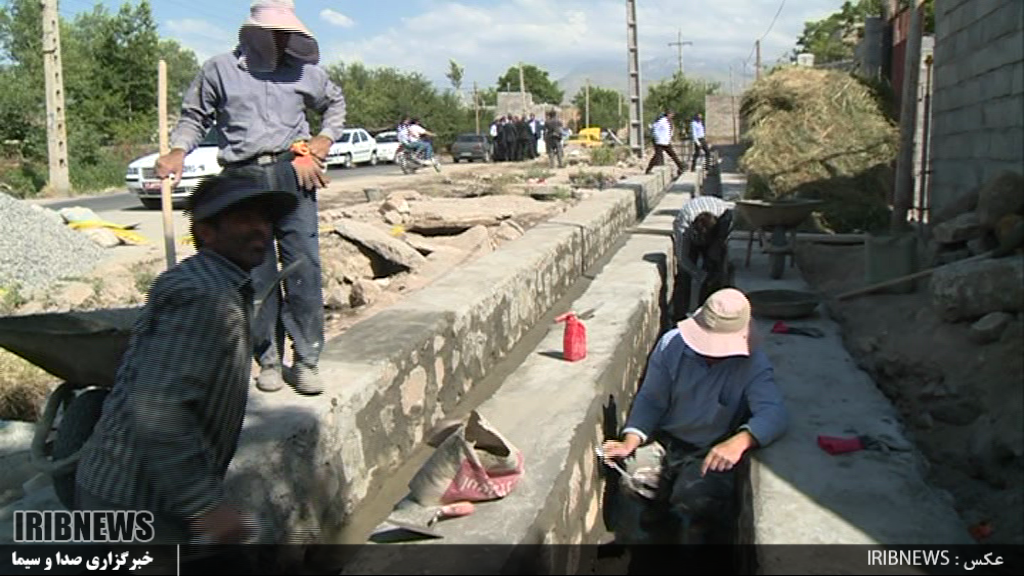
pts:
pixel 709 397
pixel 509 138
pixel 171 422
pixel 258 94
pixel 662 132
pixel 700 142
pixel 553 139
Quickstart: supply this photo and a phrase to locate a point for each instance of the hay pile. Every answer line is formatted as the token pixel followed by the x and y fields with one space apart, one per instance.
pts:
pixel 820 134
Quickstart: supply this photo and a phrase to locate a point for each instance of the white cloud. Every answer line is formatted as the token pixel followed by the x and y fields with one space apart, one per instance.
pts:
pixel 336 18
pixel 204 38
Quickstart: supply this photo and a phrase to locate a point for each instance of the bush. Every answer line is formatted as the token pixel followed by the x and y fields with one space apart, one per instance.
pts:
pixel 608 155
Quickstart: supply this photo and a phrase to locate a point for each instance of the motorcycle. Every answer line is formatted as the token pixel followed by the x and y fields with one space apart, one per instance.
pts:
pixel 412 160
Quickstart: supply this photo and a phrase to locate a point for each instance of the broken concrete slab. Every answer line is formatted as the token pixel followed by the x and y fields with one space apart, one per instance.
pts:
pixel 387 247
pixel 990 327
pixel 446 214
pixel 1001 196
pixel 960 229
pixel 970 290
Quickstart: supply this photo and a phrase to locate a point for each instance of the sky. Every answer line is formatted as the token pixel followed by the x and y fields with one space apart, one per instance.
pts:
pixel 565 37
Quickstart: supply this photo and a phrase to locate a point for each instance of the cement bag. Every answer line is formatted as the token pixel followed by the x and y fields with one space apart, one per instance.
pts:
pixel 472 463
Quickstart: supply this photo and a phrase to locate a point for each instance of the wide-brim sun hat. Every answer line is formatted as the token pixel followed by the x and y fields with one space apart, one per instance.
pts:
pixel 280 15
pixel 721 327
pixel 230 192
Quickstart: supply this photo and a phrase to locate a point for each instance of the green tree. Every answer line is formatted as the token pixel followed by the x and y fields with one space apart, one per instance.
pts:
pixel 834 38
pixel 536 81
pixel 455 74
pixel 682 95
pixel 604 107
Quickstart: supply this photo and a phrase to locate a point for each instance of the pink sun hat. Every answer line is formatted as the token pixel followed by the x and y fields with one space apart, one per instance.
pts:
pixel 721 327
pixel 280 15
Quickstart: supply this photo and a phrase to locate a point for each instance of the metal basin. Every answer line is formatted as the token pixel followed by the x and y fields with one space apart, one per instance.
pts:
pixel 783 304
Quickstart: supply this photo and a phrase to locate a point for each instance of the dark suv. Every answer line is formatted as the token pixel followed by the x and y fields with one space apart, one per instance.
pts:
pixel 471 147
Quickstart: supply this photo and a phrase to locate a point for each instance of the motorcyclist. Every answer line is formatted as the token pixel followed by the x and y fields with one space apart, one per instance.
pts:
pixel 416 132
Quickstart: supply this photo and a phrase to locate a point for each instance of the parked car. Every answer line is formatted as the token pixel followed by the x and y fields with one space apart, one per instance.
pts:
pixel 471 147
pixel 141 179
pixel 355 146
pixel 387 145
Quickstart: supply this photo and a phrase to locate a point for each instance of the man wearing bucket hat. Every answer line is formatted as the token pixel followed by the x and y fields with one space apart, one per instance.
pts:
pixel 171 423
pixel 256 98
pixel 708 397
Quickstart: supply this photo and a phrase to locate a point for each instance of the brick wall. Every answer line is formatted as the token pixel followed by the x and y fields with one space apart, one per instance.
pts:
pixel 978 104
pixel 721 119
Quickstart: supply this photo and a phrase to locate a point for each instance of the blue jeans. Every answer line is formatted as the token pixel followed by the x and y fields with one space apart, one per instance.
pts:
pixel 299 311
pixel 422 145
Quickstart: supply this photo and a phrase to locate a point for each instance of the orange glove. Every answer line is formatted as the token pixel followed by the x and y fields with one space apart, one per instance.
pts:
pixel 308 169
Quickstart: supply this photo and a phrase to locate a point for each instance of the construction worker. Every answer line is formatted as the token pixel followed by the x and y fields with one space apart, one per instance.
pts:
pixel 258 96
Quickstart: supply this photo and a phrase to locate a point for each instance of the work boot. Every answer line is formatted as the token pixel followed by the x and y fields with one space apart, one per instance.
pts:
pixel 270 379
pixel 306 379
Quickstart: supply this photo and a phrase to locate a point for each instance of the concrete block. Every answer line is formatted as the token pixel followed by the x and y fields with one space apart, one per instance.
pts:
pixel 1017 80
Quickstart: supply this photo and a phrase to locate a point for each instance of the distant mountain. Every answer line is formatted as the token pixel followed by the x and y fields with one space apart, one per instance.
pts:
pixel 615 75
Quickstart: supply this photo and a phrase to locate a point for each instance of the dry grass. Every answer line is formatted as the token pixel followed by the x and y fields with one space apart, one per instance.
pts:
pixel 23 387
pixel 809 125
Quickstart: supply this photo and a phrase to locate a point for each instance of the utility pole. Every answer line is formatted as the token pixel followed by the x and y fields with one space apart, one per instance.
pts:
pixel 522 87
pixel 680 44
pixel 476 104
pixel 732 108
pixel 757 63
pixel 586 122
pixel 636 105
pixel 904 188
pixel 56 130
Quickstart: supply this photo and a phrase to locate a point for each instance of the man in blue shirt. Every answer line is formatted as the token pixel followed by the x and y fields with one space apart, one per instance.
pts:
pixel 709 397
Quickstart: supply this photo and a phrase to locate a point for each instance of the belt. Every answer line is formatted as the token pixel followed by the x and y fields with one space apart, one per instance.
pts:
pixel 264 159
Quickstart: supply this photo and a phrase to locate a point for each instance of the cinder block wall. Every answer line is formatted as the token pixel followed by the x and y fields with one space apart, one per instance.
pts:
pixel 721 114
pixel 978 105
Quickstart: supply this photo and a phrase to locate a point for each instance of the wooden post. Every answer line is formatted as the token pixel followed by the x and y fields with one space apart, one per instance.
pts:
pixel 165 147
pixel 522 87
pixel 757 63
pixel 586 121
pixel 476 104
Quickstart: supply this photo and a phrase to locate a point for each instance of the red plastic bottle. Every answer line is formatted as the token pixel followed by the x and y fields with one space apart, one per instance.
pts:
pixel 574 343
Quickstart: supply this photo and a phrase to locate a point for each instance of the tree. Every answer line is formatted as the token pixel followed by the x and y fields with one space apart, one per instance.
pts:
pixel 544 90
pixel 680 94
pixel 454 75
pixel 604 107
pixel 834 38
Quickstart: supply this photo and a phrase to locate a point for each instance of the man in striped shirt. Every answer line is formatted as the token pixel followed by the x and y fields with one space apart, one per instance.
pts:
pixel 700 231
pixel 171 423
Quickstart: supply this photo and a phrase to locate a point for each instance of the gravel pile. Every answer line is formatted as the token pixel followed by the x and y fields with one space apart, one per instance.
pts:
pixel 37 248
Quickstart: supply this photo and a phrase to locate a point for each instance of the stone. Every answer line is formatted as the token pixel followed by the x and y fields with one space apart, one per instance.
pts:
pixel 970 290
pixel 965 202
pixel 960 229
pixel 338 296
pixel 950 256
pixel 507 231
pixel 393 217
pixel 1001 196
pixel 866 345
pixel 384 245
pixel 982 244
pixel 397 204
pixel 105 237
pixel 960 412
pixel 990 328
pixel 924 420
pixel 406 195
pixel 443 215
pixel 76 293
pixel 364 293
pixel 476 239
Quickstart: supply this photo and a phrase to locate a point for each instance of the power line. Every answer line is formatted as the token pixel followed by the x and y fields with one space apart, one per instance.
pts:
pixel 772 25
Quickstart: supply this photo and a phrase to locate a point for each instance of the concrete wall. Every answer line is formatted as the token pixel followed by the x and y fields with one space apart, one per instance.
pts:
pixel 978 113
pixel 722 119
pixel 309 462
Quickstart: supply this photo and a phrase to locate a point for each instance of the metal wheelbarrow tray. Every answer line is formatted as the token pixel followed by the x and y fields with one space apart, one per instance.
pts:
pixel 781 217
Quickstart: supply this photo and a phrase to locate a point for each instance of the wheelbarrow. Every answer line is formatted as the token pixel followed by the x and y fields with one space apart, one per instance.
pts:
pixel 781 217
pixel 83 349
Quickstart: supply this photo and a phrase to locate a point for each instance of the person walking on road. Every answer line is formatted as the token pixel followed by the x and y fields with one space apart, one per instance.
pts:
pixel 171 423
pixel 663 143
pixel 256 98
pixel 553 140
pixel 700 142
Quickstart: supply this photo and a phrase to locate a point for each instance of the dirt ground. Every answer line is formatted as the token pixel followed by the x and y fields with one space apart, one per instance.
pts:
pixel 962 402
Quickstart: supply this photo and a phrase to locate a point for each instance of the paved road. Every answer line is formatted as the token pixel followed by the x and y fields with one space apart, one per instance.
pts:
pixel 128 201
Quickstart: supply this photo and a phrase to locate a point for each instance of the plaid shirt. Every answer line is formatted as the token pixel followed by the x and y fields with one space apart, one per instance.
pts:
pixel 170 426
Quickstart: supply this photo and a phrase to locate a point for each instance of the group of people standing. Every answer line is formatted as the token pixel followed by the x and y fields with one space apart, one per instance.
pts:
pixel 515 138
pixel 661 133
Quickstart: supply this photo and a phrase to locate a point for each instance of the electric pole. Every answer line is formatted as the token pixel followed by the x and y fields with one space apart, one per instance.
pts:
pixel 904 188
pixel 680 44
pixel 56 130
pixel 636 105
pixel 757 62
pixel 586 122
pixel 476 104
pixel 522 87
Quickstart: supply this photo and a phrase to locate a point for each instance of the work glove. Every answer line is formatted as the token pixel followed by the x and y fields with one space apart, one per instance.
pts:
pixel 309 170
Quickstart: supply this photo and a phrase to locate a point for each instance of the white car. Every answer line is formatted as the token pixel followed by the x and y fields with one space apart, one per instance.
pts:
pixel 387 145
pixel 355 146
pixel 202 162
